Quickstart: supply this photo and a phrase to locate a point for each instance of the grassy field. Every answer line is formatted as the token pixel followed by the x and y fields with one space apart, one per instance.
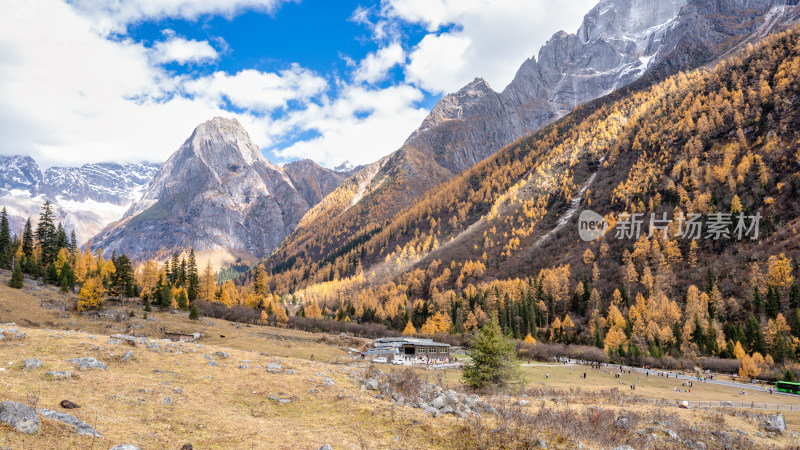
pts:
pixel 226 406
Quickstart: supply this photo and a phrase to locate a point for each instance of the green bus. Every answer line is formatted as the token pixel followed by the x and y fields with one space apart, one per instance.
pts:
pixel 788 387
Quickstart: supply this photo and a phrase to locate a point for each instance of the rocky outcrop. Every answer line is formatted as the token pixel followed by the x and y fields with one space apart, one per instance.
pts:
pixel 218 194
pixel 312 181
pixel 20 417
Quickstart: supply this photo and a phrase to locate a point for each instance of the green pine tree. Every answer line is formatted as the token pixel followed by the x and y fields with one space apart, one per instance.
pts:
pixel 5 241
pixel 494 360
pixel 193 314
pixel 773 306
pixel 753 335
pixel 27 239
pixel 193 280
pixel 17 281
pixel 794 295
pixel 183 301
pixel 67 279
pixel 46 235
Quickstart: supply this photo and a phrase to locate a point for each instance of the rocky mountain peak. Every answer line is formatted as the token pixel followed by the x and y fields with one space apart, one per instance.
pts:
pixel 632 20
pixel 222 142
pixel 459 105
pixel 220 196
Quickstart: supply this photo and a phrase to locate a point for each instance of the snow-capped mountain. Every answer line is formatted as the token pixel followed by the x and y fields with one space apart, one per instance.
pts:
pixel 85 198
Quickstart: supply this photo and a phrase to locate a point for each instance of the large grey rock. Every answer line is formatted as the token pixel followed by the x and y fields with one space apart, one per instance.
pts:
pixel 124 447
pixel 132 340
pixel 88 362
pixel 20 417
pixel 80 426
pixel 430 410
pixel 221 354
pixel 57 375
pixel 32 363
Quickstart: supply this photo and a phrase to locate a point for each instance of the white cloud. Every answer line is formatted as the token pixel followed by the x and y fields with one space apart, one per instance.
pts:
pixel 183 51
pixel 486 38
pixel 440 62
pixel 114 16
pixel 375 66
pixel 360 125
pixel 70 96
pixel 258 91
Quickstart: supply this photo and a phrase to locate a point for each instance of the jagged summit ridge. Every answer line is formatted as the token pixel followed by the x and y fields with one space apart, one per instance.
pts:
pixel 219 195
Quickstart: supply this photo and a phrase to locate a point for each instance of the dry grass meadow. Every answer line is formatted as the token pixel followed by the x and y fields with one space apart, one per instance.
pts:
pixel 226 406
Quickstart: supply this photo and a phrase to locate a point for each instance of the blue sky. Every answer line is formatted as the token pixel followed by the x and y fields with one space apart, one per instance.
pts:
pixel 91 80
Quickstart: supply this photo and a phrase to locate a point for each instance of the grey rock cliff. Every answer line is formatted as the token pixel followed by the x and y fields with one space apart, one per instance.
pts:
pixel 218 193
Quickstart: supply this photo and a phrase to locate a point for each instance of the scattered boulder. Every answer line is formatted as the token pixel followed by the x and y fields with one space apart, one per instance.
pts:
pixel 524 402
pixel 623 447
pixel 540 443
pixel 274 366
pixel 32 363
pixel 244 366
pixel 80 426
pixel 21 417
pixel 623 422
pixel 371 384
pixel 672 435
pixel 280 400
pixel 56 375
pixel 213 363
pixel 132 340
pixel 221 354
pixel 114 341
pixel 128 355
pixel 66 404
pixel 326 447
pixel 430 410
pixel 153 346
pixel 124 447
pixel 722 435
pixel 167 401
pixel 88 362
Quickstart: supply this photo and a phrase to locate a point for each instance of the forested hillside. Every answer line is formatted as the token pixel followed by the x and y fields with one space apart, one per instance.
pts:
pixel 503 237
